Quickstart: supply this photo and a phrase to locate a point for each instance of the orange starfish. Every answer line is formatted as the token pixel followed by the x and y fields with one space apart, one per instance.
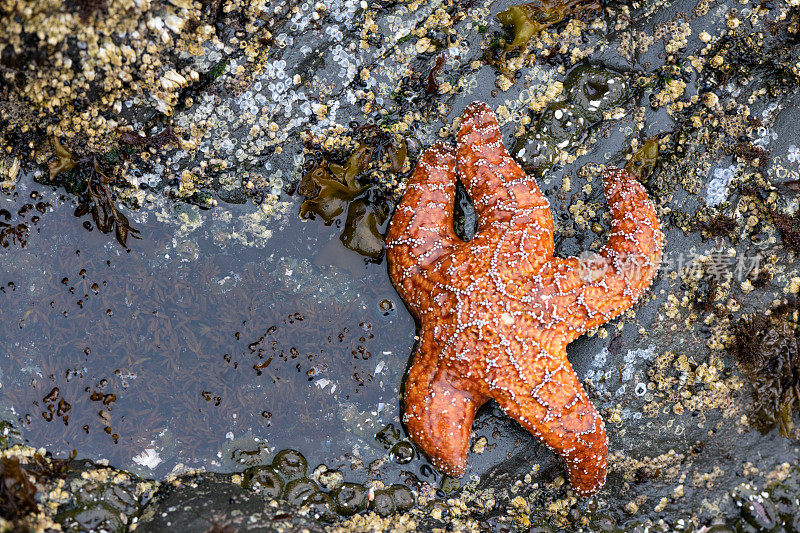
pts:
pixel 497 312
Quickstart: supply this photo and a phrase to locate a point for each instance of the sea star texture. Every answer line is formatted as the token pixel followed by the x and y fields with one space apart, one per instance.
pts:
pixel 496 313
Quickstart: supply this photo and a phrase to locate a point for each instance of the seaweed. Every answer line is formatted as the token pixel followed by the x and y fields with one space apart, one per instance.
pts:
pixel 100 203
pixel 527 20
pixel 432 87
pixel 157 140
pixel 325 195
pixel 45 467
pixel 8 435
pixel 13 234
pixel 721 226
pixel 331 189
pixel 767 352
pixel 356 164
pixel 64 160
pixel 644 160
pixel 750 153
pixel 789 228
pixel 418 91
pixel 17 491
pixel 362 232
pixel 218 69
pixel 84 178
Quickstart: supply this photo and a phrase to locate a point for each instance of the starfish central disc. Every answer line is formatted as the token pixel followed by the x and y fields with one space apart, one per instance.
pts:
pixel 496 313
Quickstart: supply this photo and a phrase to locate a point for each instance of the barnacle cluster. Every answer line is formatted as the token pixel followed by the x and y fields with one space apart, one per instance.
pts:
pixel 68 68
pixel 741 56
pixel 21 474
pixel 93 74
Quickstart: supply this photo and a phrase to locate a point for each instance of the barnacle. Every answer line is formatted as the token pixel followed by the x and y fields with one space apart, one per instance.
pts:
pixel 529 19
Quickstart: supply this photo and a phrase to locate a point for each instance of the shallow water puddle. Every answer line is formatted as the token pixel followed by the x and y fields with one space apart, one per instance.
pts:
pixel 181 352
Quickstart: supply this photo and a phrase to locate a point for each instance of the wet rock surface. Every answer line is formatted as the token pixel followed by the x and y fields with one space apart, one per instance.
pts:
pixel 199 503
pixel 209 121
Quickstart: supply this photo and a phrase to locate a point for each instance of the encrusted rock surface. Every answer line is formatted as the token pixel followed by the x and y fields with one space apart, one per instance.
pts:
pixel 186 105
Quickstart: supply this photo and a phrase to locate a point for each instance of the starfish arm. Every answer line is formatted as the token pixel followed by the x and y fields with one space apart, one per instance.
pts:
pixel 588 291
pixel 421 230
pixel 438 415
pixel 544 395
pixel 509 204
